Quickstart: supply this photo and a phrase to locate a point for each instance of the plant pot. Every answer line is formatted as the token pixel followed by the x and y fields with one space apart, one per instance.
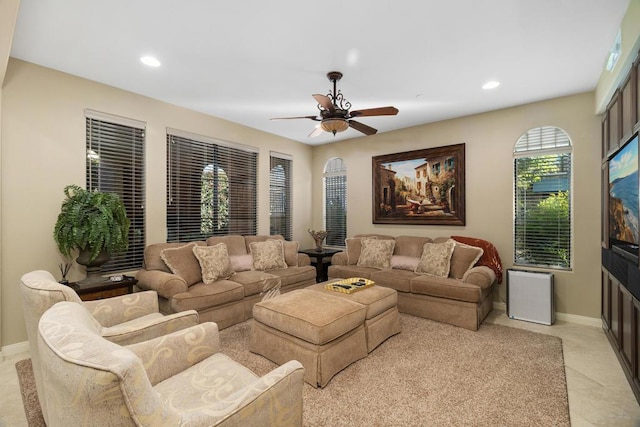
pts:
pixel 94 268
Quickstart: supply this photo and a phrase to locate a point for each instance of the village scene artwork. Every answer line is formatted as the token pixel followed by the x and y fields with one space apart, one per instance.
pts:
pixel 418 190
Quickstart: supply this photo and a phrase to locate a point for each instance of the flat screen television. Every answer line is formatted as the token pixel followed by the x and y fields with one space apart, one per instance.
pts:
pixel 623 200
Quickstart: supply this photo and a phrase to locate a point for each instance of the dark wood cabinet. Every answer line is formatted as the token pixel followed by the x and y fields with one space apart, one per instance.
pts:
pixel 620 278
pixel 106 289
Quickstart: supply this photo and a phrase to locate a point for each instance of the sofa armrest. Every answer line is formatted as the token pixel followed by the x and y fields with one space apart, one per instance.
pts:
pixel 303 260
pixel 166 356
pixel 275 398
pixel 339 259
pixel 123 308
pixel 165 284
pixel 481 276
pixel 145 329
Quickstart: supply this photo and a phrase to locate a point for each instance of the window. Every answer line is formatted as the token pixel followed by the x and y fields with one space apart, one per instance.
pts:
pixel 115 164
pixel 211 187
pixel 335 202
pixel 280 195
pixel 542 198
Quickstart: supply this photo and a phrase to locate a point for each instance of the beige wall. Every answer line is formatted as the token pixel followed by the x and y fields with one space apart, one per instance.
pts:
pixel 43 148
pixel 489 140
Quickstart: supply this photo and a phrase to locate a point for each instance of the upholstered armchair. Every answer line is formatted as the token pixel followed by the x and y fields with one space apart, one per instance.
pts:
pixel 180 379
pixel 124 320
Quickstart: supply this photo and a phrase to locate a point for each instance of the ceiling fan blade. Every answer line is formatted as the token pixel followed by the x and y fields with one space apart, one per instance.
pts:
pixel 299 117
pixel 380 111
pixel 317 131
pixel 325 102
pixel 367 130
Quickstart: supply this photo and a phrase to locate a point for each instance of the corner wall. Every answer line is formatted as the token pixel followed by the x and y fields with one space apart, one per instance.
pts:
pixel 490 138
pixel 43 150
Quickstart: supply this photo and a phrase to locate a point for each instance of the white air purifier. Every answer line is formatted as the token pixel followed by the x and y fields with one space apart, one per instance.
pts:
pixel 530 296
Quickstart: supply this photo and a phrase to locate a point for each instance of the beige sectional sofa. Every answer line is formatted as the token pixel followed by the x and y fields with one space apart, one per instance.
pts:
pixel 175 272
pixel 453 290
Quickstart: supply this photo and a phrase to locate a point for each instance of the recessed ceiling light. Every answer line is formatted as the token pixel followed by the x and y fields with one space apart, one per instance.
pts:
pixel 491 85
pixel 150 61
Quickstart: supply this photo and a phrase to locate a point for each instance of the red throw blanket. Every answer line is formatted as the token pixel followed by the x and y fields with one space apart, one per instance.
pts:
pixel 489 258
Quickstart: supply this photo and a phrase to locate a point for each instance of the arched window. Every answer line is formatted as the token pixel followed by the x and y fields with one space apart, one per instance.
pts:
pixel 542 198
pixel 335 201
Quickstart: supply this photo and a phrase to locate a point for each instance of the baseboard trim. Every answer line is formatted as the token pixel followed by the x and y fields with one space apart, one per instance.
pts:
pixel 565 317
pixel 13 349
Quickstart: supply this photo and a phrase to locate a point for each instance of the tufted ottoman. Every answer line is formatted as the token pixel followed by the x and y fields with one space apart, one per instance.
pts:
pixel 324 333
pixel 381 318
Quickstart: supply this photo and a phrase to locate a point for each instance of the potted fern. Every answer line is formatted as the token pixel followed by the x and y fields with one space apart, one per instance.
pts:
pixel 93 223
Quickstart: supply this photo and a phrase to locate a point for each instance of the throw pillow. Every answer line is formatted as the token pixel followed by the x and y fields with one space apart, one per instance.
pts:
pixel 402 262
pixel 490 258
pixel 291 253
pixel 354 248
pixel 214 262
pixel 464 257
pixel 435 259
pixel 241 262
pixel 267 255
pixel 376 253
pixel 183 263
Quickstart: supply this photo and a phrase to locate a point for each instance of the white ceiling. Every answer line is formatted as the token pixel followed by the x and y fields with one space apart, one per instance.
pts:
pixel 249 60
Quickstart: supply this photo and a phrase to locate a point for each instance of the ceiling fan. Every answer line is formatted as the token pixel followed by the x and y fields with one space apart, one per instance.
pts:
pixel 335 115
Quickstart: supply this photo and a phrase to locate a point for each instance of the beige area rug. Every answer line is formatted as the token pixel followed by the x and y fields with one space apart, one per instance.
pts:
pixel 430 374
pixel 437 375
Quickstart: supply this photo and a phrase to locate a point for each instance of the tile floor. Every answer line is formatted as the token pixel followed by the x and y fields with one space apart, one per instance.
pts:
pixel 599 394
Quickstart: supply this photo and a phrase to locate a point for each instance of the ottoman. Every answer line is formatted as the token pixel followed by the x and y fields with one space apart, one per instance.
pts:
pixel 381 319
pixel 324 333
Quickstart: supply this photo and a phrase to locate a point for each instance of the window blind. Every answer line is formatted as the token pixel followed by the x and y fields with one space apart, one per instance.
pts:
pixel 280 221
pixel 211 188
pixel 335 202
pixel 542 190
pixel 115 164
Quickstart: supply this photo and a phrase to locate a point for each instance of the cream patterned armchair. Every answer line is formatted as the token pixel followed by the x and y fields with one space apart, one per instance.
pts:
pixel 125 319
pixel 180 379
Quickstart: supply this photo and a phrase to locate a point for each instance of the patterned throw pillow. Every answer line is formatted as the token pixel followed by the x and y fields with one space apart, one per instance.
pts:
pixel 214 262
pixel 435 259
pixel 376 253
pixel 354 248
pixel 267 255
pixel 183 263
pixel 464 257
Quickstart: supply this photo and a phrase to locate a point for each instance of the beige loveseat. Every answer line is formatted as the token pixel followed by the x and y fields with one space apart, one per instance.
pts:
pixel 176 274
pixel 449 289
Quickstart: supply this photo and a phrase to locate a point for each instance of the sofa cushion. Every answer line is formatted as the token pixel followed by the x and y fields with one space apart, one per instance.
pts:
pixel 255 281
pixel 235 243
pixel 463 258
pixel 410 246
pixel 402 262
pixel 182 262
pixel 202 296
pixel 214 262
pixel 291 252
pixel 448 288
pixel 400 280
pixel 354 248
pixel 267 255
pixel 295 275
pixel 376 253
pixel 152 259
pixel 435 259
pixel 346 271
pixel 241 262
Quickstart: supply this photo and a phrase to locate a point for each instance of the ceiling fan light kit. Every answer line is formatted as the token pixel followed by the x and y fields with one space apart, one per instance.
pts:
pixel 334 111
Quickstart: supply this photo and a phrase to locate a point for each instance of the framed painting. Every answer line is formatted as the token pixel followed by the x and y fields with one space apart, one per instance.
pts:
pixel 421 187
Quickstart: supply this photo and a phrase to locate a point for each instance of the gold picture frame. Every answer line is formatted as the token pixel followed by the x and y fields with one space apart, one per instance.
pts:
pixel 420 187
